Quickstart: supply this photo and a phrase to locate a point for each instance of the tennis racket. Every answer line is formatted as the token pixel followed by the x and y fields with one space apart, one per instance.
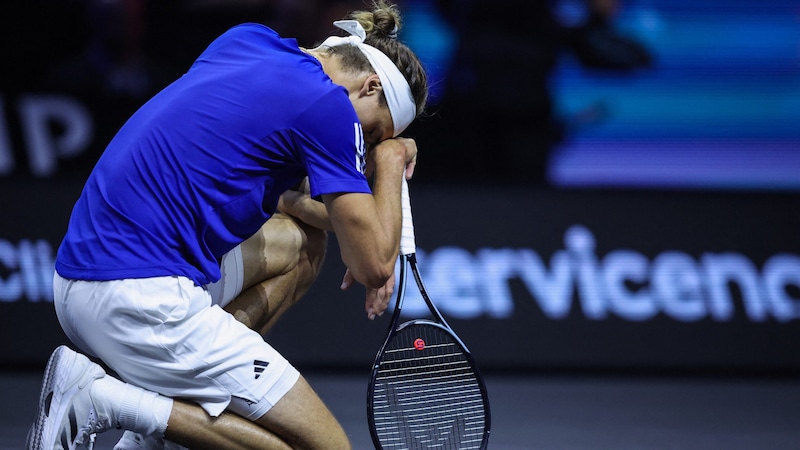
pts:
pixel 425 390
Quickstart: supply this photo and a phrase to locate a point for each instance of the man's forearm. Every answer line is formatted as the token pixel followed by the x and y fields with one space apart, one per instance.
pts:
pixel 304 208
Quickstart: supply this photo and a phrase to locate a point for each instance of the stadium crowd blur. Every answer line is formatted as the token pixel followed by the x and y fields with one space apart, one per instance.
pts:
pixel 491 118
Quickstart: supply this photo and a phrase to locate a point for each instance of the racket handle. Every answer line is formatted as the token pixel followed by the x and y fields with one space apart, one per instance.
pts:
pixel 407 242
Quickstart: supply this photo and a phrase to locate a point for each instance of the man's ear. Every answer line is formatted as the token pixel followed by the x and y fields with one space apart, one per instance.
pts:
pixel 371 86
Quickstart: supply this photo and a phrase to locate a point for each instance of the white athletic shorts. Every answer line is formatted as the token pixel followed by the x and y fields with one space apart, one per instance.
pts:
pixel 165 335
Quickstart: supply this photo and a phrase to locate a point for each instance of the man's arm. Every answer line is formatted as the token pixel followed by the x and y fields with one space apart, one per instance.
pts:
pixel 368 226
pixel 298 204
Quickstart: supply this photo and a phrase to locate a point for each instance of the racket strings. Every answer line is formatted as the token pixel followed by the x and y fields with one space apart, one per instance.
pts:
pixel 426 394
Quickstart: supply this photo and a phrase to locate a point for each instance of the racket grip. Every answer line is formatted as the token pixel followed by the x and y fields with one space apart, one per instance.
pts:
pixel 407 242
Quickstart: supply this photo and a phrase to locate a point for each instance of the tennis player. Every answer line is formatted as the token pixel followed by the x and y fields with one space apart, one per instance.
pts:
pixel 193 174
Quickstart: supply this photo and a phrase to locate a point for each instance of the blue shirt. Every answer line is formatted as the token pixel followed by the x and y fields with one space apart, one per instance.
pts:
pixel 200 167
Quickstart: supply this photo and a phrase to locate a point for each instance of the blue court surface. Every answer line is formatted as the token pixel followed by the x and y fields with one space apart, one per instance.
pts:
pixel 537 411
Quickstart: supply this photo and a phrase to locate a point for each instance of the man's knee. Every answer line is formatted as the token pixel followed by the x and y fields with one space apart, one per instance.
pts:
pixel 292 246
pixel 280 246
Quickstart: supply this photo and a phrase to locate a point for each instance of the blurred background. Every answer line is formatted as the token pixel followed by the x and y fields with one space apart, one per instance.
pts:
pixel 604 188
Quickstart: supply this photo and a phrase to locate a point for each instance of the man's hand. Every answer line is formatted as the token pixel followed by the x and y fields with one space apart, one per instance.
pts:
pixel 377 299
pixel 410 147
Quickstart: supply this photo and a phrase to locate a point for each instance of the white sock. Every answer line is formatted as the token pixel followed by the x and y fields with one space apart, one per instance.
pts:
pixel 132 407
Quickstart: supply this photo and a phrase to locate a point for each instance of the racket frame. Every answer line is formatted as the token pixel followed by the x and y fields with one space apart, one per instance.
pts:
pixel 410 261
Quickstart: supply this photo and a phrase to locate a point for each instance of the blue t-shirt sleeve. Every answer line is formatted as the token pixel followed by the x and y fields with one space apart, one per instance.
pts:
pixel 332 146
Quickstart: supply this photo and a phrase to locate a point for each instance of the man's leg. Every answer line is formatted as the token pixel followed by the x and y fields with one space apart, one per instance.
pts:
pixel 191 426
pixel 78 399
pixel 300 419
pixel 281 262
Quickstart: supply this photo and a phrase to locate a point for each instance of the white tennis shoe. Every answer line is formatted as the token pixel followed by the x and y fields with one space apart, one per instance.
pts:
pixel 69 415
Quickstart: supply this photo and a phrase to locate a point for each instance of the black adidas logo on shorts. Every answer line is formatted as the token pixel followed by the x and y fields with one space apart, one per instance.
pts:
pixel 258 367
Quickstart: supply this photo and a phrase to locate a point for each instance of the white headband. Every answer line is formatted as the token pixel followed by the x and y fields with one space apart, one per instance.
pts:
pixel 395 87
